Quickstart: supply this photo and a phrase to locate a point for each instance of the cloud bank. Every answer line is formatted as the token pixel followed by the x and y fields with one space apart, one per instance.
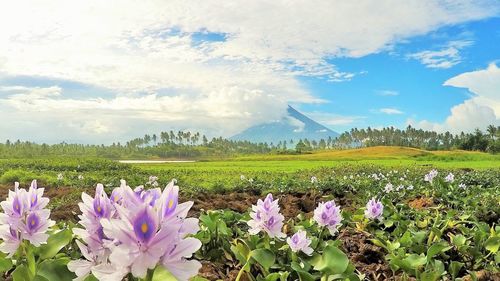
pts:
pixel 212 65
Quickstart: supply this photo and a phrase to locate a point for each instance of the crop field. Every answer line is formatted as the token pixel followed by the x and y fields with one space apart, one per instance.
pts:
pixel 368 214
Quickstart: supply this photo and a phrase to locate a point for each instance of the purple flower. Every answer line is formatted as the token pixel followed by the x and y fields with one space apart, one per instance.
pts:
pixel 300 242
pixel 36 226
pixel 374 209
pixel 36 201
pixel 431 175
pixel 449 178
pixel 328 214
pixel 144 228
pixel 24 218
pixel 11 238
pixel 266 217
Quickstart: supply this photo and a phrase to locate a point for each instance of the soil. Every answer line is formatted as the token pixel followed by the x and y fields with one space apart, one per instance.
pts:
pixel 421 203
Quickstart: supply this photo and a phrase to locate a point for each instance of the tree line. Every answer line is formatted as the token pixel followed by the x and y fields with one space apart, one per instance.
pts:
pixel 185 144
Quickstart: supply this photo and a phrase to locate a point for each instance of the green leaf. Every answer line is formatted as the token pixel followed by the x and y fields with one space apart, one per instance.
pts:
pixel 454 268
pixel 55 243
pixel 264 257
pixel 437 248
pixel 162 274
pixel 333 261
pixel 303 275
pixel 430 276
pixel 241 251
pixel 414 261
pixel 458 240
pixel 5 263
pixel 55 270
pixel 492 244
pixel 22 273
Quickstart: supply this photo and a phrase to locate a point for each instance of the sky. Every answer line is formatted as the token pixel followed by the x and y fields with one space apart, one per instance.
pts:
pixel 104 71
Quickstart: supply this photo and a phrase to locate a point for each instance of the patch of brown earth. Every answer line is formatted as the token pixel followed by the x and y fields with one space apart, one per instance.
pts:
pixel 484 275
pixel 421 203
pixel 291 204
pixel 213 271
pixel 368 258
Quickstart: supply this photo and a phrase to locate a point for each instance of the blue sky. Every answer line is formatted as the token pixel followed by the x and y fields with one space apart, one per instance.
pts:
pixel 413 88
pixel 95 73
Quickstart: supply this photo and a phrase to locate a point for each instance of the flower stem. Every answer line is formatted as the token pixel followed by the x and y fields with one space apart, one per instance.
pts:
pixel 149 275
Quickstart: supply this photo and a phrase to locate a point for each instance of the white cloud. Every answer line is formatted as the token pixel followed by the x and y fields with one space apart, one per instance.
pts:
pixel 484 84
pixel 138 51
pixel 465 117
pixel 481 110
pixel 390 111
pixel 387 93
pixel 443 58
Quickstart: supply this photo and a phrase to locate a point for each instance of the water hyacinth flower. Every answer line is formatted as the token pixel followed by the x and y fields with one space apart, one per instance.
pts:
pixel 80 177
pixel 328 215
pixel 400 187
pixel 462 185
pixel 388 188
pixel 266 217
pixel 141 230
pixel 410 187
pixel 450 178
pixel 24 217
pixel 60 177
pixel 314 179
pixel 153 181
pixel 300 242
pixel 374 209
pixel 431 175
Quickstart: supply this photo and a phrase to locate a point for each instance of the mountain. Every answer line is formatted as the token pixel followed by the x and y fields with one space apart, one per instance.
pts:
pixel 294 126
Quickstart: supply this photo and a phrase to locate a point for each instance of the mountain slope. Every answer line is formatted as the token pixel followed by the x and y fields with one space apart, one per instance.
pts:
pixel 294 126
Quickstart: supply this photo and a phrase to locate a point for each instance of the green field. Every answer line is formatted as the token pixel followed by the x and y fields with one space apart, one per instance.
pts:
pixel 438 228
pixel 209 174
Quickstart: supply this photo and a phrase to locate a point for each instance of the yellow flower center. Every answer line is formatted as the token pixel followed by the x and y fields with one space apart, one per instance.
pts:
pixel 144 227
pixel 170 203
pixel 99 209
pixel 32 199
pixel 32 222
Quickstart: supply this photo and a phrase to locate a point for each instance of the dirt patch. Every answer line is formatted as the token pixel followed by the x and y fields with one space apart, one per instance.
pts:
pixel 291 204
pixel 421 203
pixel 368 258
pixel 484 275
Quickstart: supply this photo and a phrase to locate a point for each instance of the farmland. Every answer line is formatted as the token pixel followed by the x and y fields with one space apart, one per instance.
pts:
pixel 434 225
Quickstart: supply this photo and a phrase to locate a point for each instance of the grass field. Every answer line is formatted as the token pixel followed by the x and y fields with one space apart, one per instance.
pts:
pixel 384 156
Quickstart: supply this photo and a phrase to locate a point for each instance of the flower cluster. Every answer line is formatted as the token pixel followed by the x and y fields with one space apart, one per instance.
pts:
pixel 450 178
pixel 24 217
pixel 328 214
pixel 133 231
pixel 266 217
pixel 388 188
pixel 431 175
pixel 374 209
pixel 300 242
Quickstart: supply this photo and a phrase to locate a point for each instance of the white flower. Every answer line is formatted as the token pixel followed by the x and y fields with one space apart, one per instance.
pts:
pixel 388 188
pixel 449 178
